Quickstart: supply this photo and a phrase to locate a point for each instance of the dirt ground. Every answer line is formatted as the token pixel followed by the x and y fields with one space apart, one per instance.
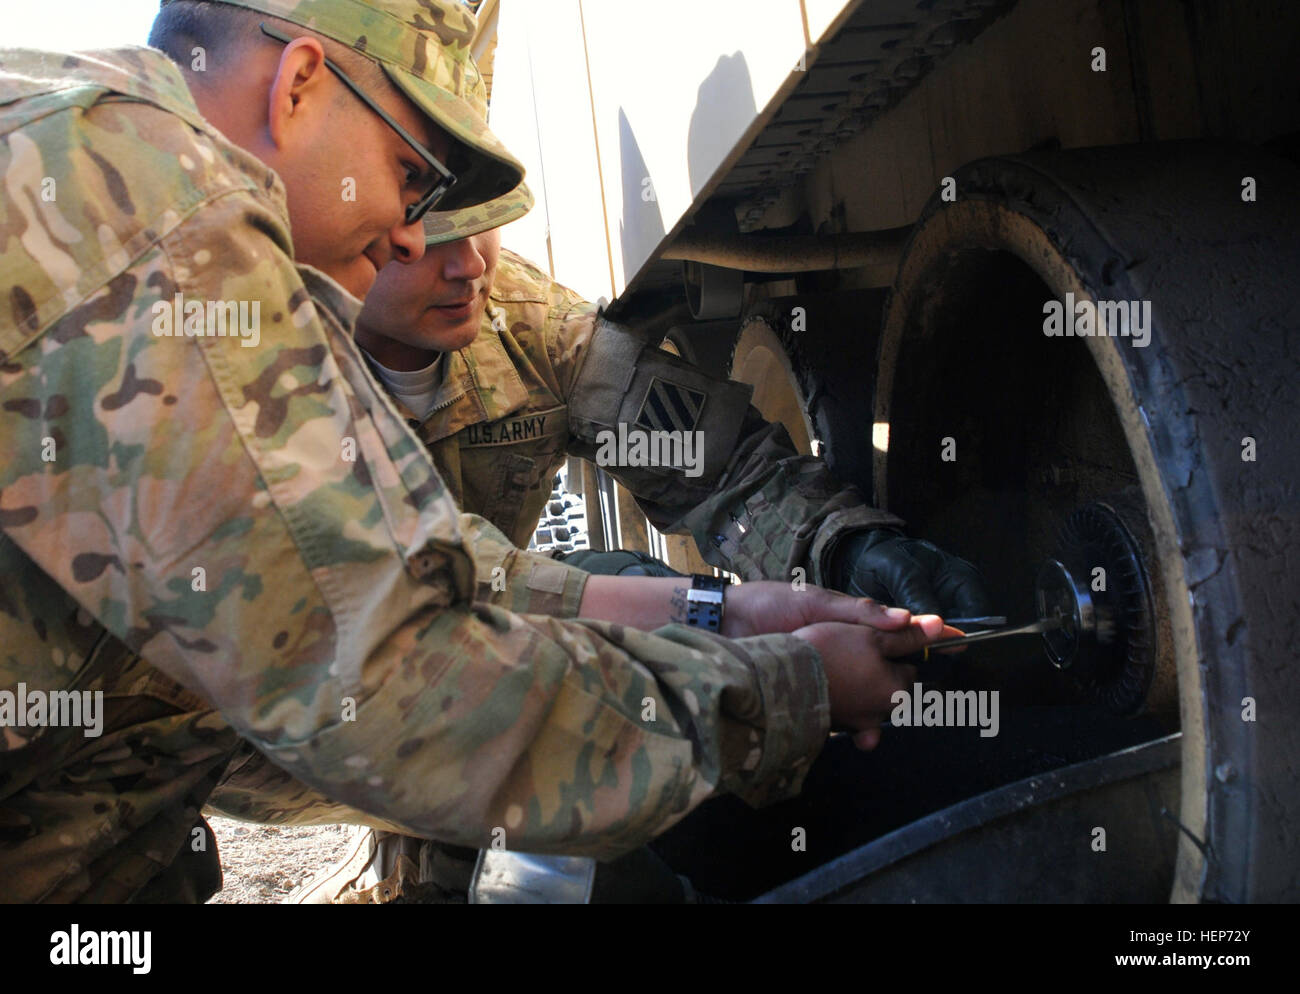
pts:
pixel 261 864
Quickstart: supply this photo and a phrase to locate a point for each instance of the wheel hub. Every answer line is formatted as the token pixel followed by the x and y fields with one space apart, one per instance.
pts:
pixel 1097 585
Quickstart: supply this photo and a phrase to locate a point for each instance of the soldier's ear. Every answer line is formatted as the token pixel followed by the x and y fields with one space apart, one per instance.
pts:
pixel 301 76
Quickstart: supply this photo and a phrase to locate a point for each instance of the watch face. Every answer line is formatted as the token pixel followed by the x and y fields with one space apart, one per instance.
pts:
pixel 704 602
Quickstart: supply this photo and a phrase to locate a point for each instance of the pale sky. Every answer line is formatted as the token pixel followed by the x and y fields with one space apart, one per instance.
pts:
pixel 68 25
pixel 73 24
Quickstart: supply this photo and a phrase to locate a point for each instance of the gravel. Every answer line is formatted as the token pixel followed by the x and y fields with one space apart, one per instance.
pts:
pixel 262 864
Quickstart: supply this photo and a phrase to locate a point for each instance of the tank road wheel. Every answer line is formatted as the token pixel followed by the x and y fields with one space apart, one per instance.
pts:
pixel 760 360
pixel 999 435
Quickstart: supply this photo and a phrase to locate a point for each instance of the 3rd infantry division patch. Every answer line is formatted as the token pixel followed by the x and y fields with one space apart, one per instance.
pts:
pixel 670 406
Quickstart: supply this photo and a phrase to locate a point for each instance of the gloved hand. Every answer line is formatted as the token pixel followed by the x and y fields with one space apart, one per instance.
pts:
pixel 886 565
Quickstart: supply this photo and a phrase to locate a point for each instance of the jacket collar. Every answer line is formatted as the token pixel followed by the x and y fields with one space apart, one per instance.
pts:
pixel 479 383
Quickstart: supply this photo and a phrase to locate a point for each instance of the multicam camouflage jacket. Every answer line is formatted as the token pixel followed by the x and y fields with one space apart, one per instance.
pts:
pixel 503 420
pixel 545 377
pixel 227 540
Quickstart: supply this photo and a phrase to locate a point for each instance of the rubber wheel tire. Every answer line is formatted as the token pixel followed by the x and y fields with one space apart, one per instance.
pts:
pixel 1167 223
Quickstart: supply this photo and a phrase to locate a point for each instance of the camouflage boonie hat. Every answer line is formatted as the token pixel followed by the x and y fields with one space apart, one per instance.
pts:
pixel 423 46
pixel 448 226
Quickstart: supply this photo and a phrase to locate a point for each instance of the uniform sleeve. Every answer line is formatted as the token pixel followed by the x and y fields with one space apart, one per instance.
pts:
pixel 754 505
pixel 770 511
pixel 251 515
pixel 518 580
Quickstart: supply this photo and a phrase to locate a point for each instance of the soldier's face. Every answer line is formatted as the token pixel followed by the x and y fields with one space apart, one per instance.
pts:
pixel 433 305
pixel 348 175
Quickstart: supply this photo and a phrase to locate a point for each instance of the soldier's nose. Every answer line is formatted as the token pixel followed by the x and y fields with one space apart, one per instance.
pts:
pixel 407 241
pixel 463 261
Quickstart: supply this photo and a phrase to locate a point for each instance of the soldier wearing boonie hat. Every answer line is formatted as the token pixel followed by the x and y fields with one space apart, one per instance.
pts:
pixel 214 527
pixel 495 411
pixel 441 227
pixel 423 48
pixel 493 395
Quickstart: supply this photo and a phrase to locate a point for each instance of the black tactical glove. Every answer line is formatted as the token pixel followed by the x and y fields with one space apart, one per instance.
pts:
pixel 887 566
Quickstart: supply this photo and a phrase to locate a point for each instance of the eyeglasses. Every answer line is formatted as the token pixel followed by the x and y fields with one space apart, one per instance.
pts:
pixel 445 178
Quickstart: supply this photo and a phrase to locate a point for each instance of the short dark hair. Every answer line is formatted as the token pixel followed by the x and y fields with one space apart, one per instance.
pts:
pixel 222 30
pixel 183 25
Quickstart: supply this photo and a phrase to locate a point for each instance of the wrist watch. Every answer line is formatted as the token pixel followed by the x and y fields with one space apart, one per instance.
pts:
pixel 704 601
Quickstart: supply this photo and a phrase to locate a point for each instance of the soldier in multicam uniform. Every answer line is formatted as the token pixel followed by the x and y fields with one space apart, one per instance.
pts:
pixel 502 373
pixel 248 542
